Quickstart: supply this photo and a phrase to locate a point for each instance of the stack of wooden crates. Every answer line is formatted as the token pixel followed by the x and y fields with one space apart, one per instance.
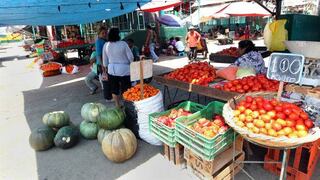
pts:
pixel 223 167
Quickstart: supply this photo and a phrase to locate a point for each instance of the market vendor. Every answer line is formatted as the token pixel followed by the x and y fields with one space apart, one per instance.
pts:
pixel 250 57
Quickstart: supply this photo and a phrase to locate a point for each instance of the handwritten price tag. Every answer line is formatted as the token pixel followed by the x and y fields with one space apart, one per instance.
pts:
pixel 286 67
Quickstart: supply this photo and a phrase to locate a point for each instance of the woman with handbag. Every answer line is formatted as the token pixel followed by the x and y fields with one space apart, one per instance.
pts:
pixel 117 57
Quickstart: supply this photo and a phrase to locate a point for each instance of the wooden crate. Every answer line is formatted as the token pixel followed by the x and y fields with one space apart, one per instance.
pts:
pixel 306 90
pixel 210 167
pixel 226 172
pixel 301 161
pixel 175 154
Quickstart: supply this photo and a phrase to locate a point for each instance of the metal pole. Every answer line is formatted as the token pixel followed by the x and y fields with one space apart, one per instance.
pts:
pixel 33 33
pixel 190 12
pixel 199 13
pixel 283 174
pixel 278 8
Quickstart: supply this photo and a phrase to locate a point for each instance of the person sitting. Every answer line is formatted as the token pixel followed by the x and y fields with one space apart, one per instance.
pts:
pixel 250 57
pixel 134 49
pixel 93 74
pixel 171 46
pixel 179 46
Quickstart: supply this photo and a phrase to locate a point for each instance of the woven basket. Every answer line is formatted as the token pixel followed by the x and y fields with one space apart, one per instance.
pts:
pixel 261 139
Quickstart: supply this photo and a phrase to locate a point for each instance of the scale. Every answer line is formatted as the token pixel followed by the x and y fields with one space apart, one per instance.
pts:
pixel 311 70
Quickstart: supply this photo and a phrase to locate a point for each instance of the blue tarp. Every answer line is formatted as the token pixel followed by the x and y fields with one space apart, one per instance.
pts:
pixel 62 12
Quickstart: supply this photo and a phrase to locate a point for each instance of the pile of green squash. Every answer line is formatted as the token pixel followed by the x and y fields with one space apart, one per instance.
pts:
pixel 58 131
pixel 100 123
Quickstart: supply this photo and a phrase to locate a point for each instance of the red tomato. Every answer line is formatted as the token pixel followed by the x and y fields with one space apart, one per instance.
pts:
pixel 274 102
pixel 267 107
pixel 304 115
pixel 280 115
pixel 287 111
pixel 294 116
pixel 308 123
pixel 247 105
pixel 249 99
pixel 278 108
pixel 253 107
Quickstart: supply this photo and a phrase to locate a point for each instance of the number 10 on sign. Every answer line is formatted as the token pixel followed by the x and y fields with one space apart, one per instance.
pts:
pixel 285 67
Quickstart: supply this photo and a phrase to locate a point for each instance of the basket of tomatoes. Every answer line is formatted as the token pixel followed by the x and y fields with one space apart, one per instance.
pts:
pixel 262 119
pixel 51 69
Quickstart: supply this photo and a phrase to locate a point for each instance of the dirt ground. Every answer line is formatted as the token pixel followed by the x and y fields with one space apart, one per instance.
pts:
pixel 25 96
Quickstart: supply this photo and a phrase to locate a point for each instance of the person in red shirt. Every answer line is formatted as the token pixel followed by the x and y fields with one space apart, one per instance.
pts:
pixel 192 39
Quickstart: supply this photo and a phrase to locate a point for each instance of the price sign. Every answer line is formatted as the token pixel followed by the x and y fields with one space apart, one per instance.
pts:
pixel 135 69
pixel 286 67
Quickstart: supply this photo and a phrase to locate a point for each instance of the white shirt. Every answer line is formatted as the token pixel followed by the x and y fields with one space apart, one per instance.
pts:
pixel 179 45
pixel 117 56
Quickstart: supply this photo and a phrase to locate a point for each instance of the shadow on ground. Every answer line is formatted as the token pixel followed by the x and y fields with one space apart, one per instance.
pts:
pixel 85 160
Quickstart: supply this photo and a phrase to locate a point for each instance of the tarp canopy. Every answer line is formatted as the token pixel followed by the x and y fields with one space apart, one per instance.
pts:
pixel 63 12
pixel 159 5
pixel 206 13
pixel 249 9
pixel 170 20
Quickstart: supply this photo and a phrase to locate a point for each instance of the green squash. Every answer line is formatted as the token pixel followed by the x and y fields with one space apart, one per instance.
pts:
pixel 56 119
pixel 103 133
pixel 92 111
pixel 42 138
pixel 111 118
pixel 89 130
pixel 66 137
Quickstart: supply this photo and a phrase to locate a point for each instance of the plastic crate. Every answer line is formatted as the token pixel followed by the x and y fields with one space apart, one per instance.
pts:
pixel 207 148
pixel 165 133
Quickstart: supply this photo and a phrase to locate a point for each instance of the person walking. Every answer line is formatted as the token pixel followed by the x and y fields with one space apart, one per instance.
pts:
pixel 151 42
pixel 192 39
pixel 117 57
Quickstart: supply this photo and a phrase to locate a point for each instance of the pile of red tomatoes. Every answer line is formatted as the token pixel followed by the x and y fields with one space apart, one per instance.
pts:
pixel 200 73
pixel 250 84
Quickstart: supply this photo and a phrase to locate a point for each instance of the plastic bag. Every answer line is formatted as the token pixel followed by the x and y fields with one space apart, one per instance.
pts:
pixel 228 73
pixel 275 34
pixel 144 108
pixel 70 69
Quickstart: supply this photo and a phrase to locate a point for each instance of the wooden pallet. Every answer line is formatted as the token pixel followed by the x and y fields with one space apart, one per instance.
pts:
pixel 175 154
pixel 211 167
pixel 226 172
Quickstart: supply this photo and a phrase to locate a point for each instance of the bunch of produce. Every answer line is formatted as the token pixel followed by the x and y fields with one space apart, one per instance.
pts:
pixel 58 131
pixel 200 73
pixel 51 66
pixel 210 128
pixel 272 117
pixel 95 116
pixel 232 51
pixel 64 44
pixel 250 84
pixel 169 120
pixel 134 93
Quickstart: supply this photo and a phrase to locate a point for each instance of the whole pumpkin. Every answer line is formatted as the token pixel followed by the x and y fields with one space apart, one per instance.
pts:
pixel 56 119
pixel 103 133
pixel 89 130
pixel 111 118
pixel 92 111
pixel 41 138
pixel 120 145
pixel 66 137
